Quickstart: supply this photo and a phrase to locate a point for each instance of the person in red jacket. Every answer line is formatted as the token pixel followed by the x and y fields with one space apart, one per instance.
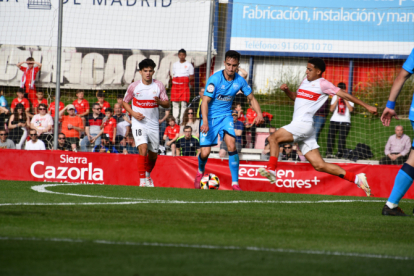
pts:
pixel 40 100
pixel 101 101
pixel 29 76
pixel 81 105
pixel 20 99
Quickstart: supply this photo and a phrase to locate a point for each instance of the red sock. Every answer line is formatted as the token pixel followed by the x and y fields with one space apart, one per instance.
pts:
pixel 150 165
pixel 141 166
pixel 272 165
pixel 350 176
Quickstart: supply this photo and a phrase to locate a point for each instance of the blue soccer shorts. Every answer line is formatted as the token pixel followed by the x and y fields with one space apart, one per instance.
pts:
pixel 217 126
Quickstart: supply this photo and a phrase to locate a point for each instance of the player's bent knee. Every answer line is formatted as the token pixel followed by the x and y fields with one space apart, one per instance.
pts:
pixel 320 166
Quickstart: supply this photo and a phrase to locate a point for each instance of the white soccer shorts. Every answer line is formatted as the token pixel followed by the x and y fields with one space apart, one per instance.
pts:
pixel 145 136
pixel 303 134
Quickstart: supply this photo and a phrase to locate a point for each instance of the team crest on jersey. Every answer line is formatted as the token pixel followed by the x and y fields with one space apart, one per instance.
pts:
pixel 210 88
pixel 236 86
pixel 231 124
pixel 154 92
pixel 223 86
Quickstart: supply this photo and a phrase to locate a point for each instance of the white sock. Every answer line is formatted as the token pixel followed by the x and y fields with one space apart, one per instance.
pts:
pixel 200 172
pixel 391 205
pixel 147 174
pixel 234 183
pixel 356 179
pixel 142 181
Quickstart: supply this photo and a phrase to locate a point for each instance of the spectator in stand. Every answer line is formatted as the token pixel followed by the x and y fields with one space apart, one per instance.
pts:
pixel 4 142
pixel 29 76
pixel 164 113
pixel 63 144
pixel 171 134
pixel 19 123
pixel 251 126
pixel 130 148
pixel 34 143
pixel 397 148
pixel 93 128
pixel 340 122
pixel 20 100
pixel 119 100
pixel 187 145
pixel 101 101
pixel 196 103
pixel 3 114
pixel 123 127
pixel 109 125
pixel 189 120
pixel 3 101
pixel 81 106
pixel 320 117
pixel 182 74
pixel 52 107
pixel 266 152
pixel 43 124
pixel 72 126
pixel 238 129
pixel 288 154
pixel 105 146
pixel 39 100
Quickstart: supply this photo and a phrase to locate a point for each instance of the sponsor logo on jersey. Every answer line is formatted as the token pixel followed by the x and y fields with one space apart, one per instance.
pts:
pixel 210 88
pixel 145 103
pixel 224 98
pixel 231 124
pixel 236 86
pixel 307 95
pixel 223 86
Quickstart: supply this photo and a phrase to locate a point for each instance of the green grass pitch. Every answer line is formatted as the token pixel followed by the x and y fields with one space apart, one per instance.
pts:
pixel 120 230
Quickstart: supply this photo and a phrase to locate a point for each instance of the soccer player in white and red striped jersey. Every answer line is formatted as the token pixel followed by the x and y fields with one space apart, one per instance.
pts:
pixel 311 95
pixel 146 95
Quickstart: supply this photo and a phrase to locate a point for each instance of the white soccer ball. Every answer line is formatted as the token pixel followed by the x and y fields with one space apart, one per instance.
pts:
pixel 210 181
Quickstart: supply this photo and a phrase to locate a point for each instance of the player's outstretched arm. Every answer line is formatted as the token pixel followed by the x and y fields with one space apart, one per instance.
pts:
pixel 290 94
pixel 256 107
pixel 349 97
pixel 204 110
pixel 398 84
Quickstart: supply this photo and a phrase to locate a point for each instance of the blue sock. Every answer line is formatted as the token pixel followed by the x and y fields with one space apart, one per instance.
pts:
pixel 201 164
pixel 234 165
pixel 402 183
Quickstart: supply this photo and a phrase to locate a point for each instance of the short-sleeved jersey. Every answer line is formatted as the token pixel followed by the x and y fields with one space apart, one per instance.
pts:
pixel 28 73
pixel 3 102
pixel 25 102
pixel 36 103
pixel 74 121
pixel 109 126
pixel 82 106
pixel 104 106
pixel 311 95
pixel 184 69
pixel 93 123
pixel 171 132
pixel 52 107
pixel 42 122
pixel 222 93
pixel 188 147
pixel 142 97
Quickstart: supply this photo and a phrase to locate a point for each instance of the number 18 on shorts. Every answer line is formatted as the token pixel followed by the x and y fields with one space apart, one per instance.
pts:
pixel 146 136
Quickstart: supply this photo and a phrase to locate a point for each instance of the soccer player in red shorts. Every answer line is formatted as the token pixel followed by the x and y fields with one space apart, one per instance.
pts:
pixel 29 76
pixel 311 95
pixel 182 73
pixel 146 95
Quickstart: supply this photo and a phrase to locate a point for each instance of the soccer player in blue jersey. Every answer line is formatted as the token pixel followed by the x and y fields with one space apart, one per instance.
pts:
pixel 405 176
pixel 221 88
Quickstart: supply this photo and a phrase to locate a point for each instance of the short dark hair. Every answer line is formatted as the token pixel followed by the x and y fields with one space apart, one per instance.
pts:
pixel 100 94
pixel 40 91
pixel 79 91
pixel 146 63
pixel 21 90
pixel 232 54
pixel 342 85
pixel 42 105
pixel 109 109
pixel 104 137
pixel 120 96
pixel 30 59
pixel 182 51
pixel 188 127
pixel 96 104
pixel 318 63
pixel 61 133
pixel 171 119
pixel 32 130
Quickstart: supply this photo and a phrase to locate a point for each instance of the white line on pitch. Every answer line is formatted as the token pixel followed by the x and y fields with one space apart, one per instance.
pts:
pixel 200 246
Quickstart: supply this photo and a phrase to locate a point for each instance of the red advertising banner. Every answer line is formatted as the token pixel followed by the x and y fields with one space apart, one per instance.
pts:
pixel 179 172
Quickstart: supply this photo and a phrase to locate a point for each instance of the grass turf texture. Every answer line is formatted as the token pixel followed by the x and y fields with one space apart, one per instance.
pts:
pixel 356 227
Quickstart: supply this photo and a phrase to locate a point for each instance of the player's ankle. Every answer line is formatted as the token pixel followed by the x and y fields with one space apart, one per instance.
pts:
pixel 234 183
pixel 391 205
